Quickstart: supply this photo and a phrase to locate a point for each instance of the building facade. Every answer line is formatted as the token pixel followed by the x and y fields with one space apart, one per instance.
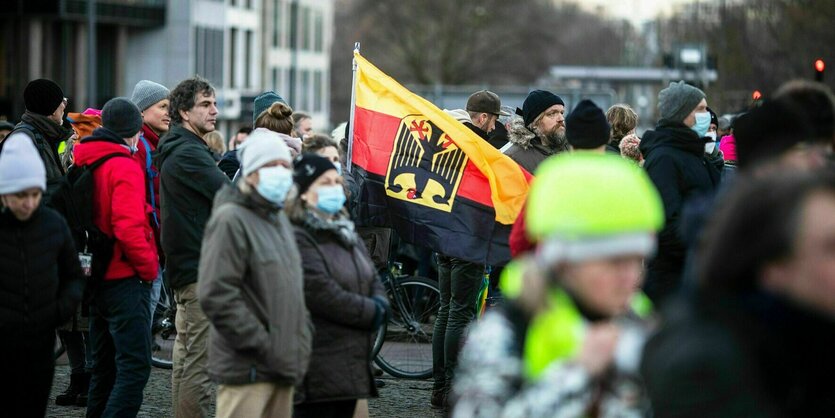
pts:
pixel 244 47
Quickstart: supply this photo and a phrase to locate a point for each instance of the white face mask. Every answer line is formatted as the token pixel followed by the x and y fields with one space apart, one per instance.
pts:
pixel 710 146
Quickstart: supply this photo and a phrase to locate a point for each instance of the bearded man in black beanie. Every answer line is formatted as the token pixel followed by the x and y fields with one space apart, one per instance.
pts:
pixel 42 124
pixel 537 131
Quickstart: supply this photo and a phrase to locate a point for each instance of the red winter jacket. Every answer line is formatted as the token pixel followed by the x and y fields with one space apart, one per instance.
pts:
pixel 120 209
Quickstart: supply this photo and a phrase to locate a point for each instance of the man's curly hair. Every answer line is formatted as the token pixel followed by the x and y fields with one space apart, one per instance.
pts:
pixel 182 97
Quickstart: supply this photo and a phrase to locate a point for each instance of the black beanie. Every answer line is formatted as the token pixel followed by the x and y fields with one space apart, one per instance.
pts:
pixel 42 96
pixel 308 167
pixel 714 120
pixel 767 131
pixel 586 127
pixel 122 117
pixel 537 102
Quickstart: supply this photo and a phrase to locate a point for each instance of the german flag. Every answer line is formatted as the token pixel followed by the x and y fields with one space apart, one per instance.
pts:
pixel 428 176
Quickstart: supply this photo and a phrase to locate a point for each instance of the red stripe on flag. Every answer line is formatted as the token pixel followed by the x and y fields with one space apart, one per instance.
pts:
pixel 374 135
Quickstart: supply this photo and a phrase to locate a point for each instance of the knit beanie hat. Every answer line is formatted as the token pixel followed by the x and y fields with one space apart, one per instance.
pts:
pixel 42 96
pixel 678 100
pixel 21 167
pixel 261 147
pixel 146 93
pixel 714 120
pixel 122 117
pixel 263 102
pixel 586 127
pixel 537 102
pixel 308 167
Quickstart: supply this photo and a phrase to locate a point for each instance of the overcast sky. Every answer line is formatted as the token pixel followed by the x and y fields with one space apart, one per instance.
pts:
pixel 635 11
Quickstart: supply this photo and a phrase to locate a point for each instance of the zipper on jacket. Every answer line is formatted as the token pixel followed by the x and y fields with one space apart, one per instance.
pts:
pixel 20 245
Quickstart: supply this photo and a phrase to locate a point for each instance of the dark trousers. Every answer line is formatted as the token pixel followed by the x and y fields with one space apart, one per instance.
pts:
pixel 120 335
pixel 334 409
pixel 79 355
pixel 29 363
pixel 459 282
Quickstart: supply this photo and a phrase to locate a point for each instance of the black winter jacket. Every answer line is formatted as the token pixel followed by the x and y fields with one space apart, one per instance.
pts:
pixel 189 179
pixel 676 164
pixel 40 276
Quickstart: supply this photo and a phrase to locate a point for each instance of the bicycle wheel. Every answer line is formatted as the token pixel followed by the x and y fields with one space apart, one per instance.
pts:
pixel 406 341
pixel 162 343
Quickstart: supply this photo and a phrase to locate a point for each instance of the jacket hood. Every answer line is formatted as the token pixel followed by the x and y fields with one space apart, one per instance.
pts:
pixel 230 193
pixel 519 134
pixel 460 115
pixel 102 142
pixel 176 137
pixel 673 135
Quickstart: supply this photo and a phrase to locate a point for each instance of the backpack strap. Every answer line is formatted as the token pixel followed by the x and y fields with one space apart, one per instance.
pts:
pixel 96 164
pixel 149 175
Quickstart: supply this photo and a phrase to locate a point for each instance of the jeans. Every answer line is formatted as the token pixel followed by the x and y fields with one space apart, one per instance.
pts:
pixel 459 282
pixel 156 289
pixel 79 350
pixel 120 335
pixel 190 384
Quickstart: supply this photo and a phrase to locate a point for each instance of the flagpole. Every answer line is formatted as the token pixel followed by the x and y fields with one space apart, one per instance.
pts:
pixel 353 106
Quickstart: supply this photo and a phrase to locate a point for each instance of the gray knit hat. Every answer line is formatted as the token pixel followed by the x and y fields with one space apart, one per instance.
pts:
pixel 147 93
pixel 122 117
pixel 678 100
pixel 21 167
pixel 263 102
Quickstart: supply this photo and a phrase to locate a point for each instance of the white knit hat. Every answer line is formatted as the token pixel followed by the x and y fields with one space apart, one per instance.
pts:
pixel 21 167
pixel 261 147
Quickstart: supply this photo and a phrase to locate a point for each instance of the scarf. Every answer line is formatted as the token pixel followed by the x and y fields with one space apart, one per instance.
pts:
pixel 53 132
pixel 341 227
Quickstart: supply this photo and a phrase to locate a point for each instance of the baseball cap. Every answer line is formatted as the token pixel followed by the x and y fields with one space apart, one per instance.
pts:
pixel 486 101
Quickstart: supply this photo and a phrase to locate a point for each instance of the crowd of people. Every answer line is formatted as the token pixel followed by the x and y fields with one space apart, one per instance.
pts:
pixel 687 271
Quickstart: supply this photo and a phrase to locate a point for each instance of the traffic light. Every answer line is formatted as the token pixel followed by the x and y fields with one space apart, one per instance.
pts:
pixel 819 67
pixel 756 95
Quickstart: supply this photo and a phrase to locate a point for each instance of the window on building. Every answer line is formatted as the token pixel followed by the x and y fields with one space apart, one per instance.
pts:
pixel 208 59
pixel 277 23
pixel 318 32
pixel 304 29
pixel 248 59
pixel 304 91
pixel 275 79
pixel 317 91
pixel 233 57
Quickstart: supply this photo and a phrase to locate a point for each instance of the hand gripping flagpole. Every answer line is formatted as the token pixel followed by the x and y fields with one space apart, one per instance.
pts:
pixel 353 107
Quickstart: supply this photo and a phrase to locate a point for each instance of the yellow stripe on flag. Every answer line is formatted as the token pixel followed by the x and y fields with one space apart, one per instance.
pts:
pixel 508 185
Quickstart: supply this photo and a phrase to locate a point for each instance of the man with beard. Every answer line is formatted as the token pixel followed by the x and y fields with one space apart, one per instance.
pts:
pixel 42 123
pixel 538 131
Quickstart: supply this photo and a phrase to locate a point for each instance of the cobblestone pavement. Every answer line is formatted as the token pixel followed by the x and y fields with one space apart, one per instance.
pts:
pixel 399 398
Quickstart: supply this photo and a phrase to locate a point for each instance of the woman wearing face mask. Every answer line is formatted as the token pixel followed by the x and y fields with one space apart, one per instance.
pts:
pixel 675 160
pixel 250 287
pixel 345 299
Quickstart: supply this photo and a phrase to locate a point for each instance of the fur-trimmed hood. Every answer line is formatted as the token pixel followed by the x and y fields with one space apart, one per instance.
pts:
pixel 518 133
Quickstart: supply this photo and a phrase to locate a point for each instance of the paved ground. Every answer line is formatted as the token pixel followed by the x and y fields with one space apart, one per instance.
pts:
pixel 398 398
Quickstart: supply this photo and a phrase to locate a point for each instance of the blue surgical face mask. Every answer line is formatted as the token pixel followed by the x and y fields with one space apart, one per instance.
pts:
pixel 330 199
pixel 274 183
pixel 702 124
pixel 338 168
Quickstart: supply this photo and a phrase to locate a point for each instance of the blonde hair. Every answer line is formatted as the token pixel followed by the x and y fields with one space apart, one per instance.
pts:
pixel 215 142
pixel 623 120
pixel 278 118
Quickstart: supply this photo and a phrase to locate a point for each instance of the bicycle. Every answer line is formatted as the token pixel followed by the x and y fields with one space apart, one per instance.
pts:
pixel 403 344
pixel 163 330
